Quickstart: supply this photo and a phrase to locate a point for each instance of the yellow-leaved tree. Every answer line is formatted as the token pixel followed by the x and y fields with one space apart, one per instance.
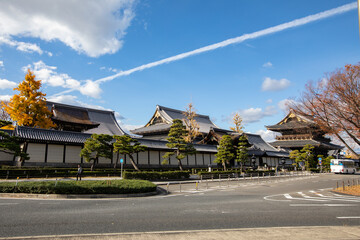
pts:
pixel 28 108
pixel 237 120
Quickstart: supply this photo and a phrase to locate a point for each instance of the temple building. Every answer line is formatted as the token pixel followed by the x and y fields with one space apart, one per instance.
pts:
pixel 159 125
pixel 298 131
pixel 264 153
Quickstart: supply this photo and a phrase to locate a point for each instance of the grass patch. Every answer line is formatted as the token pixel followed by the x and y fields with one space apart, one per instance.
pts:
pixel 352 190
pixel 79 187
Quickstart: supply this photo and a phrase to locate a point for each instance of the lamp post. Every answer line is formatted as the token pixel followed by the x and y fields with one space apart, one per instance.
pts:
pixel 253 161
pixel 283 162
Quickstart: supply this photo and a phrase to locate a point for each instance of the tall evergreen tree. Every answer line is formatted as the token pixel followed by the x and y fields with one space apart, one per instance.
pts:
pixel 28 108
pixel 225 151
pixel 98 145
pixel 176 141
pixel 305 156
pixel 242 152
pixel 128 146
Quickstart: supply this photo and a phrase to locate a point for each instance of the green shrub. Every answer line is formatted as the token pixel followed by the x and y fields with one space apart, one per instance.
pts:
pixel 79 187
pixel 169 175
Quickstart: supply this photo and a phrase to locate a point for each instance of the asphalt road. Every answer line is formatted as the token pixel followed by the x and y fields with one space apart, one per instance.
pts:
pixel 304 201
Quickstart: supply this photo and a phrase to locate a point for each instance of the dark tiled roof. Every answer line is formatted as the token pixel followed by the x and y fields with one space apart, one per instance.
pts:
pixel 302 143
pixel 290 125
pixel 106 118
pixel 204 122
pixel 168 115
pixel 45 135
pixel 157 128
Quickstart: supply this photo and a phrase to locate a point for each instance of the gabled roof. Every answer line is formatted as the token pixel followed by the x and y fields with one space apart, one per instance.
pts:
pixel 163 117
pixel 105 119
pixel 292 121
pixel 302 143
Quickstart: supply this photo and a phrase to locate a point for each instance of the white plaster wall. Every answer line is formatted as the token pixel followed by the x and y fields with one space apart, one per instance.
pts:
pixel 6 156
pixel 154 158
pixel 143 158
pixel 36 152
pixel 199 159
pixel 55 153
pixel 72 154
pixel 191 160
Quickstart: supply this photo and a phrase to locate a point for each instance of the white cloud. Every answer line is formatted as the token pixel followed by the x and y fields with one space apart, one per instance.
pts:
pixel 267 135
pixel 4 84
pixel 252 115
pixel 269 100
pixel 1 63
pixel 267 65
pixel 275 85
pixel 49 76
pixel 5 97
pixel 91 89
pixel 285 103
pixel 21 46
pixel 94 27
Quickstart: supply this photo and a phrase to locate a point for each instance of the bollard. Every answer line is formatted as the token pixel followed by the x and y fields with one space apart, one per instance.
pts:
pixel 201 178
pixel 167 188
pixel 46 176
pixel 353 182
pixel 55 182
pixel 207 186
pixel 228 181
pixel 337 184
pixel 258 177
pixel 348 183
pixel 343 185
pixel 196 186
pixel 7 176
pixel 27 176
pixel 108 175
pixel 180 187
pixel 212 177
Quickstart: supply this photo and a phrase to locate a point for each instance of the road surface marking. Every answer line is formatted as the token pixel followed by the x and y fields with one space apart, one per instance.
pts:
pixel 322 205
pixel 4 204
pixel 350 217
pixel 288 196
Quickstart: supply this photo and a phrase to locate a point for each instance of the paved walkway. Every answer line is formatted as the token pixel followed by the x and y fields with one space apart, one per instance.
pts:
pixel 279 233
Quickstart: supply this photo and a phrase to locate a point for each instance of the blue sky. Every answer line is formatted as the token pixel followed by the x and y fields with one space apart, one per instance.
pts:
pixel 70 45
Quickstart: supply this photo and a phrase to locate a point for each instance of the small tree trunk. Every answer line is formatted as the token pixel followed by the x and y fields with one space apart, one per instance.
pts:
pixel 241 167
pixel 224 165
pixel 93 164
pixel 180 165
pixel 133 163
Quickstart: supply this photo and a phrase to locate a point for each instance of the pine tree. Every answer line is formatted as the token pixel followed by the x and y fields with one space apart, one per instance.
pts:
pixel 128 146
pixel 28 108
pixel 98 145
pixel 225 151
pixel 242 152
pixel 176 141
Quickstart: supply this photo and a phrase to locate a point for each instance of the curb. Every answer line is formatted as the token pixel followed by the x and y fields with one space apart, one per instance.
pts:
pixel 77 196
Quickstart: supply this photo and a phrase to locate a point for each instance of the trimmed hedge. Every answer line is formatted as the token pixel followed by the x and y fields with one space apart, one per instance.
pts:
pixel 79 187
pixel 170 175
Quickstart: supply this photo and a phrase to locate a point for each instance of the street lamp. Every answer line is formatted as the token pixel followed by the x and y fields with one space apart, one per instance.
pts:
pixel 253 161
pixel 283 162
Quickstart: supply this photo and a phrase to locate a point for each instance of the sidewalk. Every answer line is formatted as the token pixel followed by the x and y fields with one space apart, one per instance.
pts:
pixel 279 233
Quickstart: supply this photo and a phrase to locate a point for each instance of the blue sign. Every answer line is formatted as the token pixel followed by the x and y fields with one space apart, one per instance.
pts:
pixel 320 159
pixel 121 160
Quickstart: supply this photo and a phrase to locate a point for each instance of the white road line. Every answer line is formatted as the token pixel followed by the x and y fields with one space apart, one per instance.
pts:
pixel 323 205
pixel 288 196
pixel 350 217
pixel 5 204
pixel 303 195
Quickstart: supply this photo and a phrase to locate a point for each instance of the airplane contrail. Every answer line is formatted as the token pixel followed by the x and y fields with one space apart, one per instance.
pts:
pixel 278 28
pixel 267 31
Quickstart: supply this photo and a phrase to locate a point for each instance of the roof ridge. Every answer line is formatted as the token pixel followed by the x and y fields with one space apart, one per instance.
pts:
pixel 180 111
pixel 81 107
